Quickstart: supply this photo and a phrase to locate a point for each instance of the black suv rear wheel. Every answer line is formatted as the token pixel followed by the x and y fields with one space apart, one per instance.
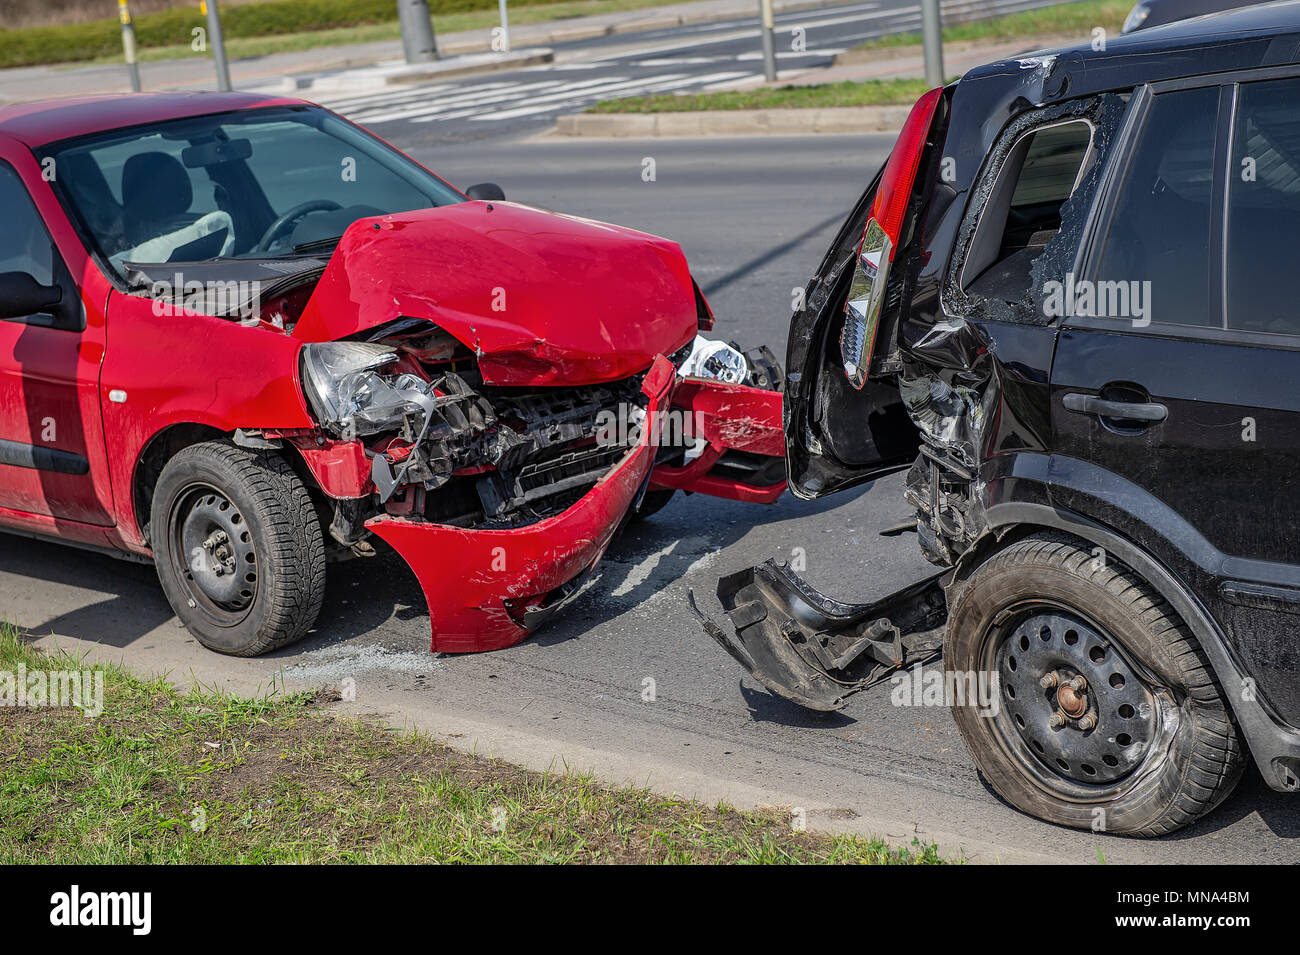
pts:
pixel 1109 716
pixel 238 548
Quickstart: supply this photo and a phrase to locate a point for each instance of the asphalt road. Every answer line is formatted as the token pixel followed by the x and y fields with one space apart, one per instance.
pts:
pixel 680 59
pixel 754 216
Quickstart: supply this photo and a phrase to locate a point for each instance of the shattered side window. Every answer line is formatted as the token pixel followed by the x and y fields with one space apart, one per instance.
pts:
pixel 1024 225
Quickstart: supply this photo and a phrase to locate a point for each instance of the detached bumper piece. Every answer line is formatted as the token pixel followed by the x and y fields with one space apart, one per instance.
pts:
pixel 816 651
pixel 744 455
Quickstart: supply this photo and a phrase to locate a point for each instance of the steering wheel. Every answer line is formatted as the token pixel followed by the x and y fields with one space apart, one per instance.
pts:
pixel 281 225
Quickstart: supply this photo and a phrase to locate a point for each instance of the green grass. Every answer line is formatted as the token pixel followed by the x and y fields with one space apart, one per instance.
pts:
pixel 898 92
pixel 1079 18
pixel 256 29
pixel 162 777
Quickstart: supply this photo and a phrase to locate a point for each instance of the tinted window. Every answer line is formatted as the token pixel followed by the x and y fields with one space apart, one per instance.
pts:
pixel 25 246
pixel 1160 232
pixel 1264 209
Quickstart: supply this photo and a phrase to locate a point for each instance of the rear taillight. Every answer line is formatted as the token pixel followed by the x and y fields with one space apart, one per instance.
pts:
pixel 880 240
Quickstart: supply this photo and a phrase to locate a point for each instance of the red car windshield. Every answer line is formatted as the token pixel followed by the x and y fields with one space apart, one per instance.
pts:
pixel 260 183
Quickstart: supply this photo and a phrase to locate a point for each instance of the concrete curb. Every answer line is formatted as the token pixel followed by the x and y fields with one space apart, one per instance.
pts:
pixel 724 122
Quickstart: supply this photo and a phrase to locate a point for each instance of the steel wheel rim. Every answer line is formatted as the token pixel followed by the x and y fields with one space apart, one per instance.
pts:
pixel 1130 708
pixel 213 554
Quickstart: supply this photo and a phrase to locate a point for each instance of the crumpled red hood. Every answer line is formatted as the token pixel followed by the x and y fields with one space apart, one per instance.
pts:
pixel 543 298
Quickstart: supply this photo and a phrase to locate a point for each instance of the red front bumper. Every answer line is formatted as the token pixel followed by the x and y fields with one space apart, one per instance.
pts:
pixel 488 589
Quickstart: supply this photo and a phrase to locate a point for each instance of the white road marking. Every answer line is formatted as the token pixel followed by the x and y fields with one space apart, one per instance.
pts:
pixel 658 84
pixel 641 571
pixel 381 113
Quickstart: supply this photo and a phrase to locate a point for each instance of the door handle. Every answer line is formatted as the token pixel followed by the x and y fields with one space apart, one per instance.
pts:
pixel 1148 411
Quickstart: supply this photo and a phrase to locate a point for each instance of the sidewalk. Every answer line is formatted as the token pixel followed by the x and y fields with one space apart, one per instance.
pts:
pixel 300 70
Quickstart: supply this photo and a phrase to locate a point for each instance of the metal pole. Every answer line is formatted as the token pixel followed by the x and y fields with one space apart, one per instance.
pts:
pixel 505 28
pixel 128 44
pixel 218 41
pixel 418 42
pixel 932 38
pixel 769 45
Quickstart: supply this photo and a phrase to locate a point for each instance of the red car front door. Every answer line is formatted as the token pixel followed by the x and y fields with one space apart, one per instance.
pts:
pixel 53 467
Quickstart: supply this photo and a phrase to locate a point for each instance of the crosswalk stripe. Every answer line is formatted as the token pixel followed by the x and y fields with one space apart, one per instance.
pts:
pixel 476 98
pixel 659 84
pixel 360 99
pixel 389 107
pixel 560 98
pixel 393 99
pixel 546 104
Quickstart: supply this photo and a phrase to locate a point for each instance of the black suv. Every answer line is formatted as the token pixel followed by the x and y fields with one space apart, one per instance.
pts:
pixel 1067 305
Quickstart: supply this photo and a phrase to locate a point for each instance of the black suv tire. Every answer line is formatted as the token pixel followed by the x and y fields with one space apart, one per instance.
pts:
pixel 1046 605
pixel 238 548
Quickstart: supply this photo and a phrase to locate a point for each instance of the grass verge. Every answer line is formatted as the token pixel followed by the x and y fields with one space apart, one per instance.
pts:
pixel 898 92
pixel 161 777
pixel 1079 18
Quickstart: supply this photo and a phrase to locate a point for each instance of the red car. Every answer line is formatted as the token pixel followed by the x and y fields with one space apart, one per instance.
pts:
pixel 244 337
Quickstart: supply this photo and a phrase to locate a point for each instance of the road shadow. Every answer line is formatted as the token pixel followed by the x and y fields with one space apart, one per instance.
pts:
pixel 766 707
pixel 361 595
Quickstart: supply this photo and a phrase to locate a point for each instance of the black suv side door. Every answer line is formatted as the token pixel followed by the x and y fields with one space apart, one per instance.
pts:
pixel 1174 399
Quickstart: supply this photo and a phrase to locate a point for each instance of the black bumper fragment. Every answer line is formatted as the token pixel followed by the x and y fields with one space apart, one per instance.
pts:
pixel 814 650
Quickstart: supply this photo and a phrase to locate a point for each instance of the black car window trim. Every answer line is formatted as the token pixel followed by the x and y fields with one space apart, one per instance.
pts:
pixel 61 275
pixel 1090 251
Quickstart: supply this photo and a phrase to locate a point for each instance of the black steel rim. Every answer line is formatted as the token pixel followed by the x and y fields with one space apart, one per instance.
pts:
pixel 1076 712
pixel 213 555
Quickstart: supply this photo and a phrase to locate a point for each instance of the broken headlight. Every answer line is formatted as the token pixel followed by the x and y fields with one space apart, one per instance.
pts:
pixel 344 386
pixel 718 360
